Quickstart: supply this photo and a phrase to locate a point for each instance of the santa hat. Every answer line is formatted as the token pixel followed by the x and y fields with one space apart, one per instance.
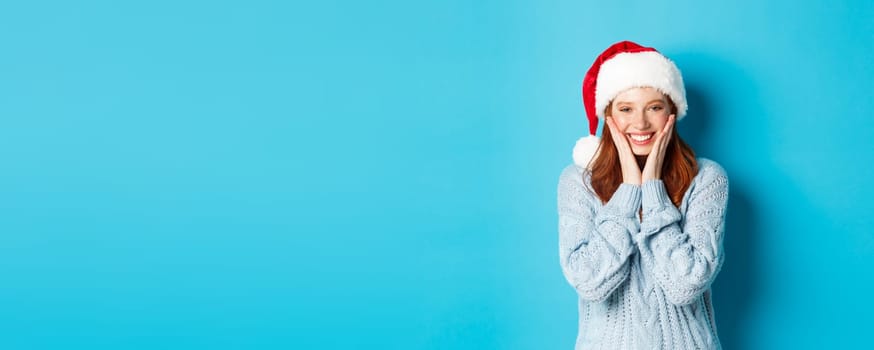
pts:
pixel 622 66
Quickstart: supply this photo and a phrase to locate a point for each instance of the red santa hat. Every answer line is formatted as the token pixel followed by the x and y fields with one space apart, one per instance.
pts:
pixel 622 66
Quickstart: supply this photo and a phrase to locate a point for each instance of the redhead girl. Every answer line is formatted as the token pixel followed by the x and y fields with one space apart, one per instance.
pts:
pixel 641 219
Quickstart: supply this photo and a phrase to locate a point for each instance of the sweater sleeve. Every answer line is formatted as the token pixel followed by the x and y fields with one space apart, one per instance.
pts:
pixel 684 259
pixel 595 245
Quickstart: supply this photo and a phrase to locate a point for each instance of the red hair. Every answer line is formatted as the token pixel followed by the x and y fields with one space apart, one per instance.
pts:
pixel 678 168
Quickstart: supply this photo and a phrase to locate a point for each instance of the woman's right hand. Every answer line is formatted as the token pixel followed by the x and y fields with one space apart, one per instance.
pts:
pixel 631 173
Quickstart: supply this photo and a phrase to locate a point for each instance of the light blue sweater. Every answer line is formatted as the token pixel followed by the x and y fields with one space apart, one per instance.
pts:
pixel 643 283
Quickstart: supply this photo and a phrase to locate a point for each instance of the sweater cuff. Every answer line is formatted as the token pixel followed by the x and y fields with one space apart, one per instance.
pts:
pixel 626 200
pixel 655 195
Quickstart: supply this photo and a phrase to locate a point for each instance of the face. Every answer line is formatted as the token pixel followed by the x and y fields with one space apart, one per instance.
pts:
pixel 639 114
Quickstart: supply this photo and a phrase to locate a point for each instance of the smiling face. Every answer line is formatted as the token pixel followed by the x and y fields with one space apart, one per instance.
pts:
pixel 639 114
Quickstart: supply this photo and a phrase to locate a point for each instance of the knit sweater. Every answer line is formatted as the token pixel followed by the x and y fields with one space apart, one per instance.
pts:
pixel 643 283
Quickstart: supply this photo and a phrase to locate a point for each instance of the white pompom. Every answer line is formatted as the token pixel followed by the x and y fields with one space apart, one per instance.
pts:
pixel 584 150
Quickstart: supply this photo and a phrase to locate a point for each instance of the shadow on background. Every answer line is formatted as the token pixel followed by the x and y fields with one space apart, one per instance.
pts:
pixel 735 286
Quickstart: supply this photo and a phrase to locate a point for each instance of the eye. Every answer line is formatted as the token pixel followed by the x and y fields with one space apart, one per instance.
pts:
pixel 625 109
pixel 657 108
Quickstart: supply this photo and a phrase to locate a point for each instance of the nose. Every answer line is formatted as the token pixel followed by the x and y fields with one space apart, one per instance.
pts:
pixel 640 121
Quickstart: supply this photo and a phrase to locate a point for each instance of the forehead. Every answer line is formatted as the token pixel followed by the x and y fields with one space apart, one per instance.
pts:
pixel 639 95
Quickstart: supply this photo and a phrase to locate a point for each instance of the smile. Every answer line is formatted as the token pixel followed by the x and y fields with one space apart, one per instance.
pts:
pixel 640 139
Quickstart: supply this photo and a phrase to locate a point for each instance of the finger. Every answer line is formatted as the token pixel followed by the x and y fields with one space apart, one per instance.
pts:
pixel 626 155
pixel 630 171
pixel 618 140
pixel 661 141
pixel 613 129
pixel 669 126
pixel 668 132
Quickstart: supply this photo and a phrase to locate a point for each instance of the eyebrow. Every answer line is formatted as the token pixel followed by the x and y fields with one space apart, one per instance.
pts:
pixel 626 102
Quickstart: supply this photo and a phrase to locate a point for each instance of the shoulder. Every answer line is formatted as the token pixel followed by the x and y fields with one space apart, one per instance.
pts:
pixel 574 181
pixel 709 170
pixel 573 175
pixel 711 179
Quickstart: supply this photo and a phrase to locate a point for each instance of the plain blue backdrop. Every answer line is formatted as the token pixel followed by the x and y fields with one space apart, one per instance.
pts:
pixel 382 174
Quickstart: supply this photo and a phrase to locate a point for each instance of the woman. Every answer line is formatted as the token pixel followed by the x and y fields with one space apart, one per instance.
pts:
pixel 641 219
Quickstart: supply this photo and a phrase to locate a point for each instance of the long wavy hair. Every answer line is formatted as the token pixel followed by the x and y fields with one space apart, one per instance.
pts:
pixel 678 169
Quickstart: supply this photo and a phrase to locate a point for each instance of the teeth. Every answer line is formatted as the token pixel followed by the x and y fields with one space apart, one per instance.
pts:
pixel 640 137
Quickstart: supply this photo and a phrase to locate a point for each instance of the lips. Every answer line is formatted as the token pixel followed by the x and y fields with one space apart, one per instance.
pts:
pixel 641 139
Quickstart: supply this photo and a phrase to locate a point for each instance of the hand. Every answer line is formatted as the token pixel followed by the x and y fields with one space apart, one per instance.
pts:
pixel 653 168
pixel 630 171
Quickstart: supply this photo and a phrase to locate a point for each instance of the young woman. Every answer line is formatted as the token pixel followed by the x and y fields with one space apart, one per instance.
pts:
pixel 641 219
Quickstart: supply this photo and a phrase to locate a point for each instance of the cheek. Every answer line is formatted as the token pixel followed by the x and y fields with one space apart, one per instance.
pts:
pixel 621 123
pixel 659 122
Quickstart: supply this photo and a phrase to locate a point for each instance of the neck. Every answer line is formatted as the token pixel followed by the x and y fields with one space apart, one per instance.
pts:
pixel 641 161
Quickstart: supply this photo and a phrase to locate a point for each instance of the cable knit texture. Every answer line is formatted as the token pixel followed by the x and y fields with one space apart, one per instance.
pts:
pixel 642 267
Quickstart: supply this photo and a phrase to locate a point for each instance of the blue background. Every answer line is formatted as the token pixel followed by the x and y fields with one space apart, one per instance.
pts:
pixel 382 175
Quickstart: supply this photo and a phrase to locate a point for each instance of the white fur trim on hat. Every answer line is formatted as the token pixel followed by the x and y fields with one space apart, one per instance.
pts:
pixel 585 150
pixel 639 69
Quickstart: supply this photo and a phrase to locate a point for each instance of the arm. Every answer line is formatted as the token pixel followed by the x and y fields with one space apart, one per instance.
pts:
pixel 594 248
pixel 684 259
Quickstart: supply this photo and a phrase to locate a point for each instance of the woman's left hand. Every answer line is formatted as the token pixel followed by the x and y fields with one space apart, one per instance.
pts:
pixel 653 168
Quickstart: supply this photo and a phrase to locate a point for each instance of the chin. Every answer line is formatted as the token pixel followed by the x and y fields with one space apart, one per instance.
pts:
pixel 640 152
